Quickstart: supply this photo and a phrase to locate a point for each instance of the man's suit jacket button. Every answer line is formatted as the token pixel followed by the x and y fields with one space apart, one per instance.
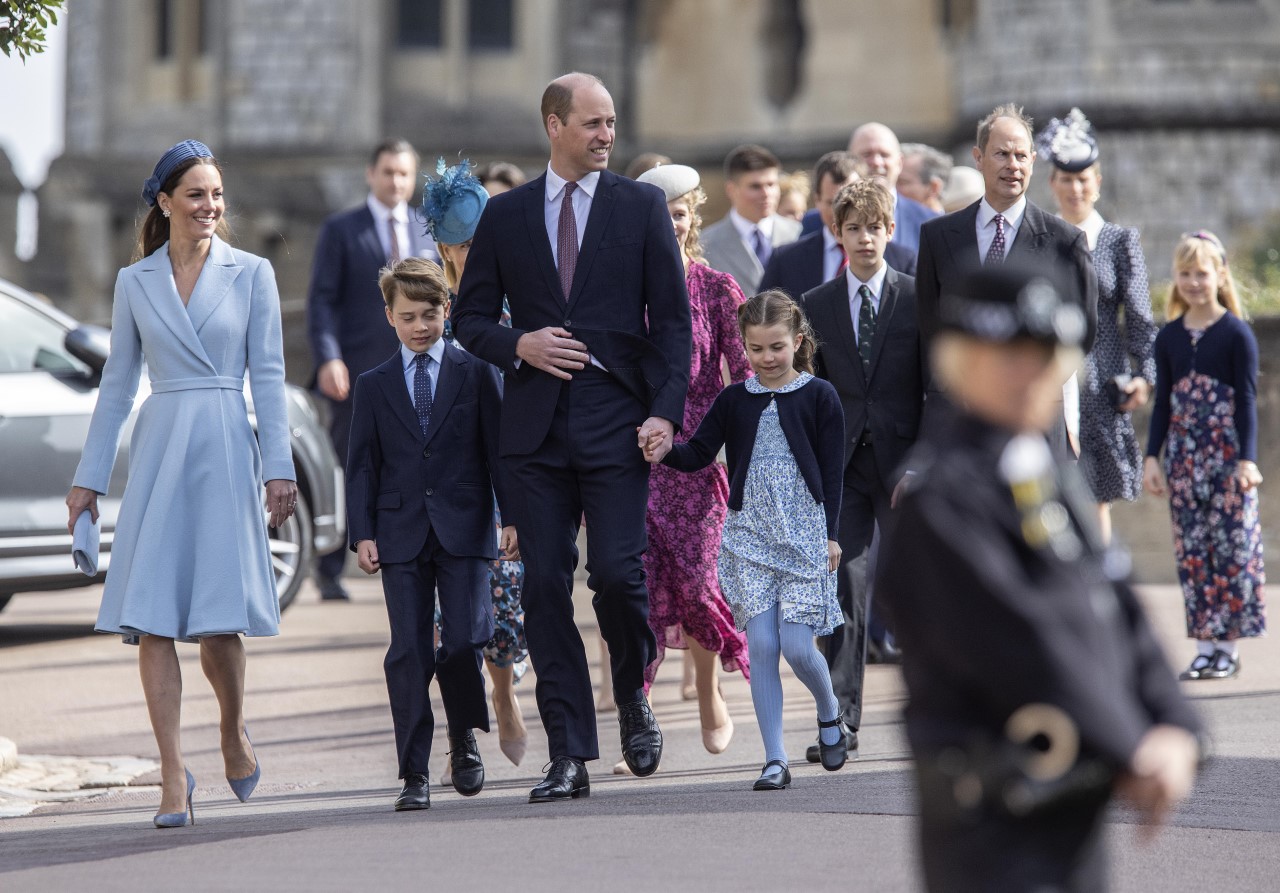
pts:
pixel 430 492
pixel 426 454
pixel 567 323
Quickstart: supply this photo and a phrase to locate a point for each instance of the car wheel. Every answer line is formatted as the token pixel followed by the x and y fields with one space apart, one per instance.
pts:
pixel 4 599
pixel 291 548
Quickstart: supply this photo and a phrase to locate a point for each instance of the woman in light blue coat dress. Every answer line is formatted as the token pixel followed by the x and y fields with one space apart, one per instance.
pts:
pixel 190 559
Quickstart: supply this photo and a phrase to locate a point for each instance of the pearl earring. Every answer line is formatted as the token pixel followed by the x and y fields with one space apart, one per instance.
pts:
pixel 165 212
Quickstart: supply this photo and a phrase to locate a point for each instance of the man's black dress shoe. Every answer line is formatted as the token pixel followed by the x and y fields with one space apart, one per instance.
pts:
pixel 465 764
pixel 416 793
pixel 641 737
pixel 774 777
pixel 567 780
pixel 332 590
pixel 832 756
pixel 813 753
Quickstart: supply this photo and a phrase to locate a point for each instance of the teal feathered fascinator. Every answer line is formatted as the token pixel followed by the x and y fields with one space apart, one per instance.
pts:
pixel 452 202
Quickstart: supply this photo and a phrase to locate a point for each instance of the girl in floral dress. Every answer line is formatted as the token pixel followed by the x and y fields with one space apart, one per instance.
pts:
pixel 1205 417
pixel 783 434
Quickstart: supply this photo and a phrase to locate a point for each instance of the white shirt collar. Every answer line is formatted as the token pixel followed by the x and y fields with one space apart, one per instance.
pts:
pixel 875 283
pixel 435 351
pixel 555 184
pixel 380 212
pixel 745 226
pixel 1092 227
pixel 1012 216
pixel 829 240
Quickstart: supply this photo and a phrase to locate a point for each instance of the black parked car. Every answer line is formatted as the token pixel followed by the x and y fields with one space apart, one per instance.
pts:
pixel 49 370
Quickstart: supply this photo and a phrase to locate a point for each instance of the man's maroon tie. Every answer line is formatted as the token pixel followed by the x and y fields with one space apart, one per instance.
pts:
pixel 567 241
pixel 395 242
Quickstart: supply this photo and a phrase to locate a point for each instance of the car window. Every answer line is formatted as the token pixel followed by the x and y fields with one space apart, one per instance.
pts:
pixel 30 341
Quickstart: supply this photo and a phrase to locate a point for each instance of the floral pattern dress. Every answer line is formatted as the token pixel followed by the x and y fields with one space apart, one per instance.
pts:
pixel 508 647
pixel 1216 535
pixel 687 511
pixel 775 549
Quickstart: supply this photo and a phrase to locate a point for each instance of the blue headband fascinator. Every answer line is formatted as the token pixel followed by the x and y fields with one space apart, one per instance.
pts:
pixel 185 150
pixel 452 202
pixel 1069 142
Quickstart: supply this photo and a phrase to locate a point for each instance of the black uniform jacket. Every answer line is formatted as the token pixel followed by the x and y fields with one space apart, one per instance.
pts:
pixel 1002 601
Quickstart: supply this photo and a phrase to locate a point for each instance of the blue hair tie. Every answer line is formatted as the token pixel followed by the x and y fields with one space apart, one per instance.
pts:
pixel 169 161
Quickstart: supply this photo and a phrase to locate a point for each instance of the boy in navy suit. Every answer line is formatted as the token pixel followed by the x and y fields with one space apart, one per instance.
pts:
pixel 421 472
pixel 870 349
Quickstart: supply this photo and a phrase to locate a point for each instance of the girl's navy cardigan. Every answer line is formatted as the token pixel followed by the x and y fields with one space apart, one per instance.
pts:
pixel 1227 352
pixel 812 421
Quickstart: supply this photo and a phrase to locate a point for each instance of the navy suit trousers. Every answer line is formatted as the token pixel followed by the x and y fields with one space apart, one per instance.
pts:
pixel 588 465
pixel 466 624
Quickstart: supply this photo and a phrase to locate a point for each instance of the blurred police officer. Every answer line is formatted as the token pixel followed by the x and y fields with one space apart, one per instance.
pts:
pixel 1037 689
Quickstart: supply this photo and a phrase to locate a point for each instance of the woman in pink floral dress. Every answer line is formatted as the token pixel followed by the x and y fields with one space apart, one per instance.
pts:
pixel 686 511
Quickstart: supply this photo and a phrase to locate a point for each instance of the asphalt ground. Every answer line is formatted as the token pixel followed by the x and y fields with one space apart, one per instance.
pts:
pixel 322 817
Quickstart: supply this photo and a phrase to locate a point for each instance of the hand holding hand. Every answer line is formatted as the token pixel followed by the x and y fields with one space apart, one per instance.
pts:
pixel 1160 773
pixel 282 496
pixel 509 545
pixel 367 556
pixel 833 556
pixel 78 500
pixel 553 350
pixel 334 380
pixel 1152 476
pixel 655 437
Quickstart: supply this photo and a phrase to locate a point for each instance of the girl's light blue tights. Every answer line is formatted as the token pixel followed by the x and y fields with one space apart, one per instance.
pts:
pixel 769 636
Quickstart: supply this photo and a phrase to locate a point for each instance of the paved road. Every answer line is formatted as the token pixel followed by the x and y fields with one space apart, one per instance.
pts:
pixel 322 819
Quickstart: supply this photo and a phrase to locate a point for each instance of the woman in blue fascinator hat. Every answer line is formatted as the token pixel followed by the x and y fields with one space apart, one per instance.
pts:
pixel 452 202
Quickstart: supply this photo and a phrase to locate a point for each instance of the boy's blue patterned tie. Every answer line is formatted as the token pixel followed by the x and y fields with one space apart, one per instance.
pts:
pixel 422 391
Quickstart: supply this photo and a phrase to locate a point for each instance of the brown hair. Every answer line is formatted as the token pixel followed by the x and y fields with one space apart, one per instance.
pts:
pixel 836 165
pixel 154 231
pixel 504 172
pixel 769 308
pixel 1008 110
pixel 557 99
pixel 416 279
pixel 394 146
pixel 1202 247
pixel 867 201
pixel 748 158
pixel 645 161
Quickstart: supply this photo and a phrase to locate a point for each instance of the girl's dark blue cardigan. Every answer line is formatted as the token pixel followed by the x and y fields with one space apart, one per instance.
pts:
pixel 812 421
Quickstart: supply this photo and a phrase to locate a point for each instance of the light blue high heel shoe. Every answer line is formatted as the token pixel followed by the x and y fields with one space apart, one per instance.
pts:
pixel 243 787
pixel 179 819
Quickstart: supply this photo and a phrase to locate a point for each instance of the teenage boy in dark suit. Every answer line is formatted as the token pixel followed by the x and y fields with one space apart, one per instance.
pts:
pixel 870 349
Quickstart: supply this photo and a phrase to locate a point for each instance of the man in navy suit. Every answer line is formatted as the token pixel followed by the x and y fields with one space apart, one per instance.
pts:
pixel 818 257
pixel 1002 225
pixel 871 350
pixel 879 155
pixel 344 319
pixel 421 472
pixel 597 357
